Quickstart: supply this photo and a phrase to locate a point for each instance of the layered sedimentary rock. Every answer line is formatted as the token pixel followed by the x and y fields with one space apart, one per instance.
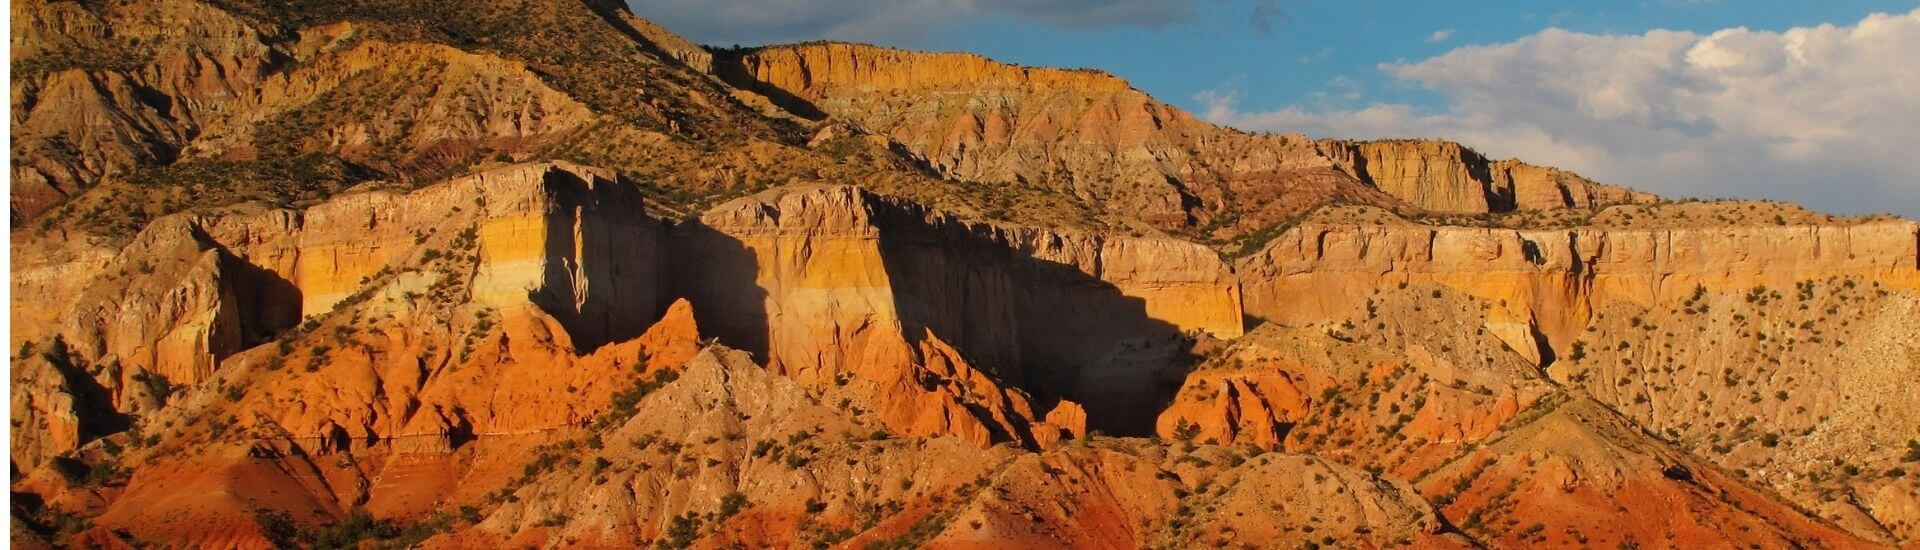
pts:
pixel 1443 176
pixel 532 355
pixel 828 281
pixel 1546 283
pixel 1435 175
pixel 544 232
pixel 192 290
pixel 1086 133
pixel 1532 187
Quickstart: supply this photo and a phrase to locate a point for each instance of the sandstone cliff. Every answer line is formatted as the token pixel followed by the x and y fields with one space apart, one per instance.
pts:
pixel 826 280
pixel 313 275
pixel 1546 283
pixel 1443 176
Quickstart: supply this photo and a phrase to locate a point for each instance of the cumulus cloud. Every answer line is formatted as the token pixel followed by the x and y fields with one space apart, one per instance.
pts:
pixel 1439 36
pixel 774 21
pixel 1825 116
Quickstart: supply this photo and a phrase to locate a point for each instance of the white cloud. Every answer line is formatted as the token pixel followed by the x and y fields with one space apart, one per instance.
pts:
pixel 776 21
pixel 1439 36
pixel 1825 116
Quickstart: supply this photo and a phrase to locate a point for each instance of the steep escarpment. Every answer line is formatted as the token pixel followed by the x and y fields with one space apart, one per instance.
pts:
pixel 1447 177
pixel 1546 283
pixel 822 283
pixel 823 280
pixel 1661 318
pixel 468 343
pixel 314 274
pixel 167 311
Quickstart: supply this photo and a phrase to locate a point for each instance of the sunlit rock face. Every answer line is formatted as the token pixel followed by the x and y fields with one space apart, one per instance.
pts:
pixel 826 281
pixel 1545 284
pixel 833 295
pixel 1443 176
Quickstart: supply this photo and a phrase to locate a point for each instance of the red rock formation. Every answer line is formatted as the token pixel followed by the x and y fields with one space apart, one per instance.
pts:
pixel 1577 474
pixel 533 355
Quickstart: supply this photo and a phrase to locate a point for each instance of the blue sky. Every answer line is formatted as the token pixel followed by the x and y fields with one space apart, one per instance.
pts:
pixel 1806 101
pixel 1319 49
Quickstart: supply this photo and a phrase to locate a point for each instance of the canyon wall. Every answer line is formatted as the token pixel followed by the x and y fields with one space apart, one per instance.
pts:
pixel 1548 282
pixel 825 281
pixel 828 285
pixel 192 290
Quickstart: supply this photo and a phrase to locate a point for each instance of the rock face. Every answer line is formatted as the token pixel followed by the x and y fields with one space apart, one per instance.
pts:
pixel 1545 188
pixel 192 290
pixel 843 280
pixel 1443 176
pixel 1548 282
pixel 1435 175
pixel 310 276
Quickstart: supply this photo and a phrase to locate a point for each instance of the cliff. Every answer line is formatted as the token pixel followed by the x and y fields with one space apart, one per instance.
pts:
pixel 1549 281
pixel 312 275
pixel 1447 177
pixel 822 281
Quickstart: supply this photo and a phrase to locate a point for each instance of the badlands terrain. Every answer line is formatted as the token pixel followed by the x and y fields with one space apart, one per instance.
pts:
pixel 540 273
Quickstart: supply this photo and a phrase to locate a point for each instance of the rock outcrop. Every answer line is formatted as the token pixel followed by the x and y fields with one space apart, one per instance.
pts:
pixel 1092 135
pixel 827 282
pixel 1443 176
pixel 1085 133
pixel 1546 283
pixel 312 276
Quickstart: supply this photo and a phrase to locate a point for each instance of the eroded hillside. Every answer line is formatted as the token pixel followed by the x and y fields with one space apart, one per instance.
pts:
pixel 541 273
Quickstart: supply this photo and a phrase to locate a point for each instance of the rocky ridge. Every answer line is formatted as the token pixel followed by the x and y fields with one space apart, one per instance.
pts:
pixel 1092 135
pixel 734 333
